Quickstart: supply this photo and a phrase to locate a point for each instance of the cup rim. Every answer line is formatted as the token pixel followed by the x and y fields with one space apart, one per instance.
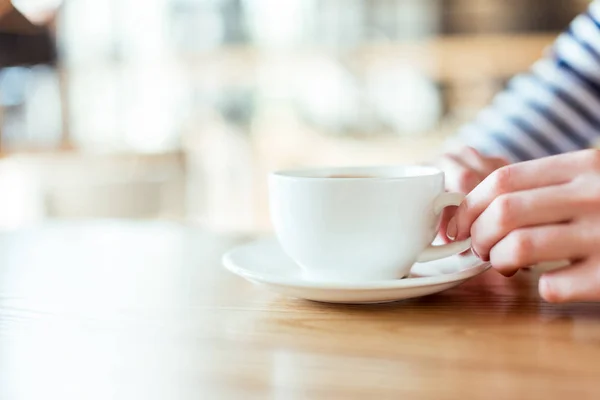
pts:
pixel 314 173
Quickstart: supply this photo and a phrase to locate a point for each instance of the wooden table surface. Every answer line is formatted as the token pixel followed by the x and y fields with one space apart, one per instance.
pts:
pixel 143 310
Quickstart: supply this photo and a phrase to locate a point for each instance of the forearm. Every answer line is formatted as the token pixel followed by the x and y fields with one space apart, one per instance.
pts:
pixel 554 108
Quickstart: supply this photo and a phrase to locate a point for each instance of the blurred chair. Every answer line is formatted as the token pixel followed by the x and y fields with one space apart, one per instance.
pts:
pixel 22 42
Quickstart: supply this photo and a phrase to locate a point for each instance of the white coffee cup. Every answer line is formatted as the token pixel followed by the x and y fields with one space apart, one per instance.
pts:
pixel 360 223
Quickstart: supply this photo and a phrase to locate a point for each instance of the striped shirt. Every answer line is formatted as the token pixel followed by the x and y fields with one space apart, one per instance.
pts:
pixel 553 108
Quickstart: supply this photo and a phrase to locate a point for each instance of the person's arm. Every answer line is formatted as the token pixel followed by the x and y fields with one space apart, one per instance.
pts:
pixel 554 108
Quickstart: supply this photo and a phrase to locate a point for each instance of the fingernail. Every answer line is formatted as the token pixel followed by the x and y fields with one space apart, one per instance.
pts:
pixel 451 229
pixel 549 290
pixel 544 288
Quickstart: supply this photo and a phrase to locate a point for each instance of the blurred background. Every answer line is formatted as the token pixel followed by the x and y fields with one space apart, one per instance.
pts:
pixel 177 109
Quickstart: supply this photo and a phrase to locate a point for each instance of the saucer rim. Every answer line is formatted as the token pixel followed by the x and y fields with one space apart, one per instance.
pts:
pixel 230 265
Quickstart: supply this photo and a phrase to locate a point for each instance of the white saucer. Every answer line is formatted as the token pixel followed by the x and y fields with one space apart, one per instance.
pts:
pixel 263 262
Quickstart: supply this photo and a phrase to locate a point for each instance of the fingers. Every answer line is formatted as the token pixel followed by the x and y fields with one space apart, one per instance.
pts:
pixel 508 212
pixel 447 214
pixel 528 246
pixel 459 176
pixel 533 212
pixel 497 162
pixel 547 171
pixel 474 160
pixel 466 168
pixel 479 163
pixel 578 282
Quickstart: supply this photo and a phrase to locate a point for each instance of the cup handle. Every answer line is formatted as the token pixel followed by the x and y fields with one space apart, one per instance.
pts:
pixel 445 250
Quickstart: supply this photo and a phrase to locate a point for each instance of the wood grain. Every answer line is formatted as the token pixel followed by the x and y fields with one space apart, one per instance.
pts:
pixel 124 310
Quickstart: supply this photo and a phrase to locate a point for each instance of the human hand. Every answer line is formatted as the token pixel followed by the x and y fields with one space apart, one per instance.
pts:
pixel 539 211
pixel 464 170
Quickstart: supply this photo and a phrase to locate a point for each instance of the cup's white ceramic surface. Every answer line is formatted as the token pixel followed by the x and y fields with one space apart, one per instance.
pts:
pixel 360 223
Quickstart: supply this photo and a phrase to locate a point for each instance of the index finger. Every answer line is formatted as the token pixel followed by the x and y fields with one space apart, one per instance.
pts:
pixel 533 174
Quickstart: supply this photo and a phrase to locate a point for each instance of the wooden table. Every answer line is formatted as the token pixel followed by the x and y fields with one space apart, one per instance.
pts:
pixel 124 310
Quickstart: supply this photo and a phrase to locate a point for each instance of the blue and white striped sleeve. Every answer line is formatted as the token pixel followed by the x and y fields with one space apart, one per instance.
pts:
pixel 554 108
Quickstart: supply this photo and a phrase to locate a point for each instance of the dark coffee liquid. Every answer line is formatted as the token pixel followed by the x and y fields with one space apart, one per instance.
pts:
pixel 343 176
